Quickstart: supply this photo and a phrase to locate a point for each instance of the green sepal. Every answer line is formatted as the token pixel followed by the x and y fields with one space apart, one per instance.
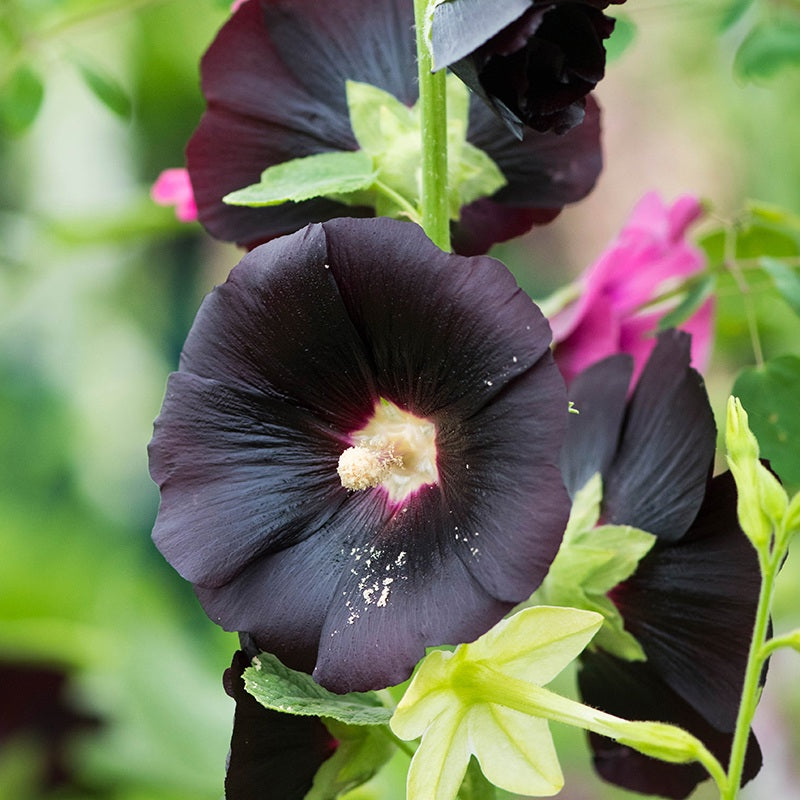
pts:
pixel 279 688
pixel 591 562
pixel 360 753
pixel 318 175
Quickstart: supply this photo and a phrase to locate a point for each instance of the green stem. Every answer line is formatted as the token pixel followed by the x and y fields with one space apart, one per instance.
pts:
pixel 755 664
pixel 433 111
pixel 790 640
pixel 396 197
pixel 750 312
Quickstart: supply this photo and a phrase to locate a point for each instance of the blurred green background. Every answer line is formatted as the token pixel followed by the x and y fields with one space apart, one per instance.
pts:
pixel 98 287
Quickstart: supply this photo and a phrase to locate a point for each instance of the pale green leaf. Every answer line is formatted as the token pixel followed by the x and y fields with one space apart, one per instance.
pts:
pixel 769 47
pixel 786 280
pixel 621 39
pixel 106 88
pixel 591 562
pixel 277 687
pixel 770 395
pixel 691 301
pixel 378 118
pixel 360 753
pixel 20 100
pixel 318 175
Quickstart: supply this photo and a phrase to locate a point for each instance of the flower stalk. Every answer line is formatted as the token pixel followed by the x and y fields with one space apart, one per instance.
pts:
pixel 433 112
pixel 759 652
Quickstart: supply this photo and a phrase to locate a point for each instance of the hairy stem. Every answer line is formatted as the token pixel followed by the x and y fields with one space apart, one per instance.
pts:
pixel 433 110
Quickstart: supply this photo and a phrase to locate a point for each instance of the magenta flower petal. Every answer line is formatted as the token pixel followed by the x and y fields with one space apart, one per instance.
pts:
pixel 634 690
pixel 274 82
pixel 173 188
pixel 270 749
pixel 286 363
pixel 649 256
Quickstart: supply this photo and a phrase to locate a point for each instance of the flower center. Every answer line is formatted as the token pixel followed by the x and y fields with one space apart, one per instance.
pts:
pixel 395 450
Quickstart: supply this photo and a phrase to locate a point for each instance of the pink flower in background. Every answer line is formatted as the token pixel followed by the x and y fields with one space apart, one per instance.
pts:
pixel 173 188
pixel 647 258
pixel 236 4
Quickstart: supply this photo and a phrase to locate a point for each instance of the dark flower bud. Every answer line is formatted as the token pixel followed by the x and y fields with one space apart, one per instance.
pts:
pixel 533 63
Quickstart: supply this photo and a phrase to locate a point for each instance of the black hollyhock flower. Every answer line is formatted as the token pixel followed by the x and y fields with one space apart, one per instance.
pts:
pixel 35 706
pixel 692 600
pixel 532 61
pixel 274 81
pixel 272 754
pixel 358 455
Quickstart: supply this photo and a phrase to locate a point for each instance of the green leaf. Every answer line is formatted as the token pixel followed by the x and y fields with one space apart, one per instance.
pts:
pixel 786 280
pixel 277 687
pixel 303 178
pixel 770 394
pixel 621 39
pixel 768 48
pixel 732 13
pixel 774 215
pixel 106 89
pixel 590 562
pixel 20 100
pixel 389 131
pixel 693 299
pixel 360 753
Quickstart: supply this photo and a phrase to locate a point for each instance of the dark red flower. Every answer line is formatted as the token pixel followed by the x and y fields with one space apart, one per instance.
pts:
pixel 274 81
pixel 268 749
pixel 356 348
pixel 692 600
pixel 532 61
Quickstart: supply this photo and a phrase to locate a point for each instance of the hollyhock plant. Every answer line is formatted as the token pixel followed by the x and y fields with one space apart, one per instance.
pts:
pixel 609 315
pixel 173 188
pixel 275 82
pixel 268 748
pixel 358 456
pixel 691 601
pixel 532 61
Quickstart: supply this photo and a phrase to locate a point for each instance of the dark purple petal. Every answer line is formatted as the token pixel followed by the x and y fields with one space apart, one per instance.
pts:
pixel 272 754
pixel 234 469
pixel 278 326
pixel 284 364
pixel 533 66
pixel 37 710
pixel 657 479
pixel 274 80
pixel 416 308
pixel 544 171
pixel 634 690
pixel 592 437
pixel 691 604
